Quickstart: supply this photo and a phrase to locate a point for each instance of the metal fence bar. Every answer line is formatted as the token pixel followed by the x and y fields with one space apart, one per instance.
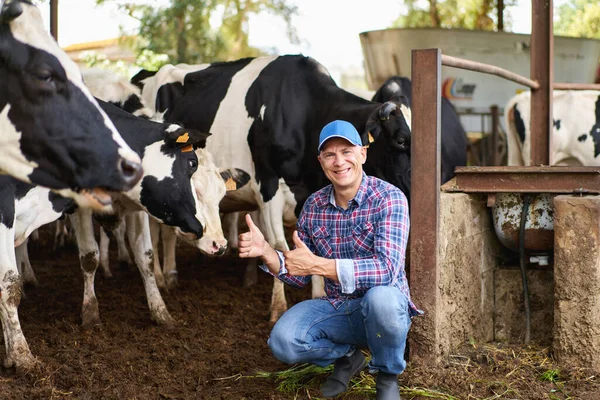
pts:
pixel 488 69
pixel 576 86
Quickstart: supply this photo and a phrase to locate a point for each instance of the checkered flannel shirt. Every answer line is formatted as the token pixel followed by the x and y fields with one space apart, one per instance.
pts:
pixel 367 240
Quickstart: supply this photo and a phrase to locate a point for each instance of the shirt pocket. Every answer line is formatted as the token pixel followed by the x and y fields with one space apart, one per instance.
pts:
pixel 322 240
pixel 364 239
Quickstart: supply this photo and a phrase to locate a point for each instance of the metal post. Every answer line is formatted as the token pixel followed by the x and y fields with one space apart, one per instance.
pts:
pixel 425 201
pixel 494 135
pixel 542 59
pixel 54 19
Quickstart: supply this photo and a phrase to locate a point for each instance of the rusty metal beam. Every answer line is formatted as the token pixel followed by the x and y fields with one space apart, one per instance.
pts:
pixel 554 179
pixel 425 200
pixel 542 60
pixel 54 19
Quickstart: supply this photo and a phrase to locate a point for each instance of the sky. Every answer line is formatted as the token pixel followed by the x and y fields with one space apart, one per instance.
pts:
pixel 329 29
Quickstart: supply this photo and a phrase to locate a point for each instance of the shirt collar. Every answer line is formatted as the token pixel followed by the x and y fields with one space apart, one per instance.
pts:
pixel 328 197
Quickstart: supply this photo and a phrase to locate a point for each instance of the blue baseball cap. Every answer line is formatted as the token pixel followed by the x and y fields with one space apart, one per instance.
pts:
pixel 341 129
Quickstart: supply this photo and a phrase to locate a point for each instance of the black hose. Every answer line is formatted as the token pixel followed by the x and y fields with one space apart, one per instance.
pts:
pixel 524 212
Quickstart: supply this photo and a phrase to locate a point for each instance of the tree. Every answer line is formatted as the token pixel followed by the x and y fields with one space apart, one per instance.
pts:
pixel 579 18
pixel 182 28
pixel 467 14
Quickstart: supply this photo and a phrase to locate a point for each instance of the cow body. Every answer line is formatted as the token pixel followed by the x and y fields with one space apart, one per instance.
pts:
pixel 208 181
pixel 52 131
pixel 575 133
pixel 265 115
pixel 23 208
pixel 453 136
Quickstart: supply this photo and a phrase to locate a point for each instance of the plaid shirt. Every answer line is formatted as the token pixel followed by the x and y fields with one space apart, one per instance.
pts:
pixel 367 240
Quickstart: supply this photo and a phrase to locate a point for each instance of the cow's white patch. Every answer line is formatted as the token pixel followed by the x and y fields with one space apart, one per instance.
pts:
pixel 166 74
pixel 29 29
pixel 407 114
pixel 173 128
pixel 232 120
pixel 32 211
pixel 155 164
pixel 393 87
pixel 11 158
pixel 262 112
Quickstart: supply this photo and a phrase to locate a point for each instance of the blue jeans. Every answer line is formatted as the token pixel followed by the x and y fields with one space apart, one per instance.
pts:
pixel 314 331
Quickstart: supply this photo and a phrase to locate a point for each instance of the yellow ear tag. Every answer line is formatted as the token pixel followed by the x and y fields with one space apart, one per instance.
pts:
pixel 183 138
pixel 230 184
pixel 187 148
pixel 371 140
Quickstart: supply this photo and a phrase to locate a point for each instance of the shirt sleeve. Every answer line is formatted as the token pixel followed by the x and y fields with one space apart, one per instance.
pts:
pixel 283 275
pixel 391 226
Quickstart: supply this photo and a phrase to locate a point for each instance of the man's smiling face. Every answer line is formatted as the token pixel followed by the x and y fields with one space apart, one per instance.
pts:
pixel 342 163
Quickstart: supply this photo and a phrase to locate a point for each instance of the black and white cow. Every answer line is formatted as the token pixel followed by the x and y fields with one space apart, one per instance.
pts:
pixel 575 133
pixel 208 180
pixel 23 208
pixel 52 132
pixel 453 136
pixel 166 191
pixel 265 115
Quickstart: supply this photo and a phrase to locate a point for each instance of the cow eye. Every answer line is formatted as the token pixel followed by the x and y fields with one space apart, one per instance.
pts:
pixel 193 164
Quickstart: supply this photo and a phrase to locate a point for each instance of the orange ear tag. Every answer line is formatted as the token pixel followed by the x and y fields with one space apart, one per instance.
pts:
pixel 187 148
pixel 183 138
pixel 371 140
pixel 230 184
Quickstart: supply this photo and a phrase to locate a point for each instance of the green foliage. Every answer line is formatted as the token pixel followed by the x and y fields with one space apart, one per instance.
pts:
pixel 182 29
pixel 551 375
pixel 579 18
pixel 467 14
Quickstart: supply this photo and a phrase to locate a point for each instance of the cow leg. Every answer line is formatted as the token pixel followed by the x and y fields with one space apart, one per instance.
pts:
pixel 18 354
pixel 104 256
pixel 155 236
pixel 138 235
pixel 272 222
pixel 88 258
pixel 24 265
pixel 230 227
pixel 123 252
pixel 169 242
pixel 60 235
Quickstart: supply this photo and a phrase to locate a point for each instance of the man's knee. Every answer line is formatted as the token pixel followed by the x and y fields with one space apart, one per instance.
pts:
pixel 284 345
pixel 384 302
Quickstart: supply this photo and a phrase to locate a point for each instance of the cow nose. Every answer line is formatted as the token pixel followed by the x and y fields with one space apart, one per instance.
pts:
pixel 131 172
pixel 220 249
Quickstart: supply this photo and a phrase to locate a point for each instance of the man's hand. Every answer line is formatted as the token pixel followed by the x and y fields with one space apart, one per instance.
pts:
pixel 301 260
pixel 252 243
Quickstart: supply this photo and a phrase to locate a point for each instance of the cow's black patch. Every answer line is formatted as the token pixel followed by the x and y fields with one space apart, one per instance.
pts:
pixel 595 131
pixel 582 137
pixel 7 200
pixel 519 124
pixel 556 124
pixel 62 204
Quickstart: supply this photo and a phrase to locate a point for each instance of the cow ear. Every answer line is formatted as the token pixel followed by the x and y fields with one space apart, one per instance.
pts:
pixel 234 178
pixel 9 10
pixel 182 137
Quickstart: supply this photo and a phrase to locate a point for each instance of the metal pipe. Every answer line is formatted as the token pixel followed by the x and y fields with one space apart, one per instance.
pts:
pixel 54 19
pixel 522 264
pixel 488 69
pixel 576 86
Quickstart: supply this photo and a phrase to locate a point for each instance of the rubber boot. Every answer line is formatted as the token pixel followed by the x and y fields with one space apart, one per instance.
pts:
pixel 387 387
pixel 344 369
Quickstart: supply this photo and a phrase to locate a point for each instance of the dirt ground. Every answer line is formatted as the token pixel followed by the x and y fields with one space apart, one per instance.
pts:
pixel 218 346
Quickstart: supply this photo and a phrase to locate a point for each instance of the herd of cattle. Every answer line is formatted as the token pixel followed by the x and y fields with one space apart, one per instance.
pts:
pixel 167 153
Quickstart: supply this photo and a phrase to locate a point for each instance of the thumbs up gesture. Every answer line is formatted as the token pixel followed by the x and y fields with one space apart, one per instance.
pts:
pixel 251 243
pixel 301 260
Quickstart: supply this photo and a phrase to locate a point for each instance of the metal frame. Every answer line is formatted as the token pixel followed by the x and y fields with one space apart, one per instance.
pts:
pixel 426 156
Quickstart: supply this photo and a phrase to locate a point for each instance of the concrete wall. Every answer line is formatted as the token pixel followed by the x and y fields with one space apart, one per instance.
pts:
pixel 467 256
pixel 577 281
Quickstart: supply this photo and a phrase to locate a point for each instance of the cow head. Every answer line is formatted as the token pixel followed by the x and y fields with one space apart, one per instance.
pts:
pixel 211 184
pixel 387 133
pixel 52 132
